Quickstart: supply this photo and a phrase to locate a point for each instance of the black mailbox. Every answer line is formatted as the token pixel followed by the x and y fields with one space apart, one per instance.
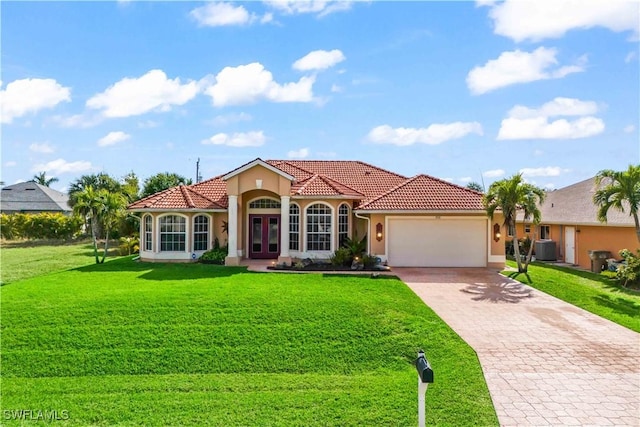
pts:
pixel 424 368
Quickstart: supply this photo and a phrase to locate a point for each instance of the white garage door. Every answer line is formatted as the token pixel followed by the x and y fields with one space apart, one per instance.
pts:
pixel 430 242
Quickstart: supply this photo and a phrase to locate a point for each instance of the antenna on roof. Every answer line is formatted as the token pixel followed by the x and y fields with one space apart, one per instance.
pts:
pixel 484 189
pixel 198 176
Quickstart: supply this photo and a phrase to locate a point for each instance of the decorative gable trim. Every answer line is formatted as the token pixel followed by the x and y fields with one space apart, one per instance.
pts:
pixel 257 162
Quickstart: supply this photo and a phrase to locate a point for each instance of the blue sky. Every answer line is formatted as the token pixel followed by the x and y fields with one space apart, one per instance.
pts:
pixel 458 90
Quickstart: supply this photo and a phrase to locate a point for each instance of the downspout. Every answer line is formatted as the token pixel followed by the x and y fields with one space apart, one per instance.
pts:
pixel 368 230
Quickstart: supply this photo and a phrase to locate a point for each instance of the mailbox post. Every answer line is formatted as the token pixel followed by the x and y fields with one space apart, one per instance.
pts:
pixel 425 377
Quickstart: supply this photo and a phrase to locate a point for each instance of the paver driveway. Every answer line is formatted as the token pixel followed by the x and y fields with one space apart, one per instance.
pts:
pixel 546 362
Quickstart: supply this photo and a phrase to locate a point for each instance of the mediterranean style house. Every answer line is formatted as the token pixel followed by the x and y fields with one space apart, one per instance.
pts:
pixel 293 209
pixel 570 220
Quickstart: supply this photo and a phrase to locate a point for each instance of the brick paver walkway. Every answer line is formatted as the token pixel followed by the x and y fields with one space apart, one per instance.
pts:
pixel 546 362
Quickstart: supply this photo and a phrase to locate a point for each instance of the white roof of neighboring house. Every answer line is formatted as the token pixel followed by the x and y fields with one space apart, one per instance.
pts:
pixel 574 205
pixel 32 197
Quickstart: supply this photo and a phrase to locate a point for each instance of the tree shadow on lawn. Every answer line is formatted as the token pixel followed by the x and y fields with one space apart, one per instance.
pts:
pixel 608 283
pixel 619 305
pixel 163 271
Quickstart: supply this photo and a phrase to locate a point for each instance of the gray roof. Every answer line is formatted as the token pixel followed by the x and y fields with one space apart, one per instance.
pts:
pixel 32 197
pixel 574 205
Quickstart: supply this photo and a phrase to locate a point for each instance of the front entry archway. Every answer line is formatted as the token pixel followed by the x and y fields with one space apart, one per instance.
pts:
pixel 264 236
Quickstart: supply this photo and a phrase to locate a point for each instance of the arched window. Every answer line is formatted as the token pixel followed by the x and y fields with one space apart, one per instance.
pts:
pixel 264 204
pixel 148 233
pixel 318 227
pixel 343 223
pixel 294 227
pixel 173 233
pixel 201 233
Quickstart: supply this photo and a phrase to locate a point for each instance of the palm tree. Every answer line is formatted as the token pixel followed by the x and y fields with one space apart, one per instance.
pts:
pixel 621 191
pixel 42 179
pixel 513 195
pixel 111 210
pixel 88 205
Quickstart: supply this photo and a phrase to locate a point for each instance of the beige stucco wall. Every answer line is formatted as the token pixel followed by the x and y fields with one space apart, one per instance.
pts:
pixel 587 238
pixel 496 249
pixel 246 181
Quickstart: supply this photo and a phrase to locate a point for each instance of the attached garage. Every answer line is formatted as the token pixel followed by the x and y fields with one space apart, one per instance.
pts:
pixel 436 242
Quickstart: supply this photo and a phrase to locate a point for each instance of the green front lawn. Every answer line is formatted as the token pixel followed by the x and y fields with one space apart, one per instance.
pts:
pixel 169 344
pixel 592 292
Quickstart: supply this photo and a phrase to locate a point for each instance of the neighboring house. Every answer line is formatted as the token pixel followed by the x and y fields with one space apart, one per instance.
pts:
pixel 284 209
pixel 570 219
pixel 30 197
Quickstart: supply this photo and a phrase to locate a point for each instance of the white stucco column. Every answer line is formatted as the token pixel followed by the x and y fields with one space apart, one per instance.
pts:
pixel 232 231
pixel 284 228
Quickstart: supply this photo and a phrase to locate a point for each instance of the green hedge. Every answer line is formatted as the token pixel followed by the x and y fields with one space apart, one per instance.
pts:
pixel 45 225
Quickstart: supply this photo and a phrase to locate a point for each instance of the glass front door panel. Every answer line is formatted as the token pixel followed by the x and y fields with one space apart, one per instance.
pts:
pixel 273 235
pixel 256 242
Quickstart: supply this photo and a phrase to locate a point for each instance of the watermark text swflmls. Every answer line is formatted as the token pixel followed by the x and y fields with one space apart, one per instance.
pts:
pixel 35 415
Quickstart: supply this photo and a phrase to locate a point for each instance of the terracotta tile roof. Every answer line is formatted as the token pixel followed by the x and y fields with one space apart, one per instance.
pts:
pixel 320 185
pixel 180 197
pixel 214 189
pixel 423 192
pixel 366 179
pixel 574 205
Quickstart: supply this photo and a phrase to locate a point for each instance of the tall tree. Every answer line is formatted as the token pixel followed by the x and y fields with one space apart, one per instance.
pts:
pixel 131 187
pixel 112 210
pixel 475 187
pixel 619 191
pixel 161 181
pixel 510 196
pixel 42 179
pixel 88 205
pixel 100 181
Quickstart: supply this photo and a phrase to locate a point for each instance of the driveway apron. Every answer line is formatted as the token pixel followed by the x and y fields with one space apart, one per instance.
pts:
pixel 546 362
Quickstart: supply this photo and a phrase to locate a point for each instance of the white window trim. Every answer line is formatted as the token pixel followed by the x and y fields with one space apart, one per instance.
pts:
pixel 338 222
pixel 332 234
pixel 275 199
pixel 300 229
pixel 144 233
pixel 187 231
pixel 209 228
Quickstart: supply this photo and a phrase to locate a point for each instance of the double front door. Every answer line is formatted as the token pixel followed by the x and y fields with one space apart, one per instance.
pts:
pixel 264 236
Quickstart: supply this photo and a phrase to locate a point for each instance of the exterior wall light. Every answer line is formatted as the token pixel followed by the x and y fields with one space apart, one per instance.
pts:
pixel 258 184
pixel 496 232
pixel 379 232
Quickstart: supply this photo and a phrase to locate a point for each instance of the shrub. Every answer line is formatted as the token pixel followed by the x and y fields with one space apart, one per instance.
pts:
pixel 369 261
pixel 45 225
pixel 129 245
pixel 628 273
pixel 341 257
pixel 215 255
pixel 356 247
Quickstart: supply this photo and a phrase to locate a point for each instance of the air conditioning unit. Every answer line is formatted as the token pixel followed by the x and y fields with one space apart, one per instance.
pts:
pixel 545 250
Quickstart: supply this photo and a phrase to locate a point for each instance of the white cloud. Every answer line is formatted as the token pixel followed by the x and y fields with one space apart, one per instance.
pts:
pixel 494 173
pixel 434 134
pixel 61 166
pixel 319 60
pixel 218 14
pixel 298 154
pixel 538 20
pixel 319 7
pixel 465 179
pixel 630 57
pixel 247 84
pixel 240 139
pixel 557 107
pixel 226 119
pixel 150 92
pixel 629 128
pixel 335 88
pixel 77 120
pixel 534 123
pixel 541 128
pixel 45 147
pixel 544 171
pixel 515 67
pixel 549 186
pixel 30 96
pixel 113 138
pixel 538 152
pixel 148 124
pixel 10 164
pixel 448 179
